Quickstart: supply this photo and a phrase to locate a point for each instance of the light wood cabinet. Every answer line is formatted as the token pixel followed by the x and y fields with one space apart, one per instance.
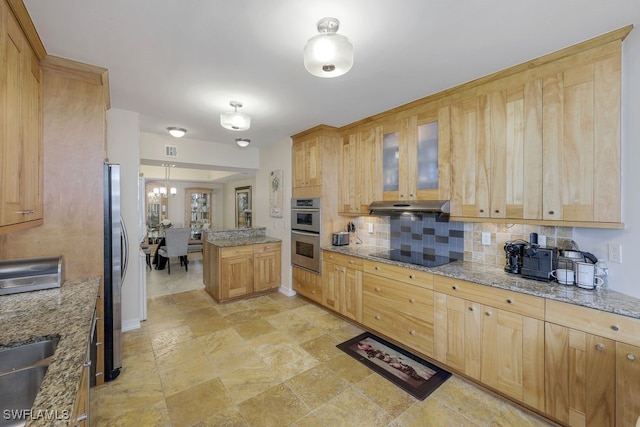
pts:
pixel 239 271
pixel 416 155
pixel 308 284
pixel 360 170
pixel 401 311
pixel 342 285
pixel 307 162
pixel 493 336
pixel 592 368
pixel 21 138
pixel 582 141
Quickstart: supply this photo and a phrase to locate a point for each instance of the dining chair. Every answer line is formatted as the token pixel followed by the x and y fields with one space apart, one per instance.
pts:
pixel 176 245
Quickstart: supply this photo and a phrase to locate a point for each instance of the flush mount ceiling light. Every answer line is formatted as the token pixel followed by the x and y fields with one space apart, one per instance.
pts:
pixel 243 142
pixel 328 54
pixel 177 132
pixel 235 120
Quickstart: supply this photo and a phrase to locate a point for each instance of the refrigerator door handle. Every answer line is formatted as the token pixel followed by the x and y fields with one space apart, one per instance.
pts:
pixel 125 250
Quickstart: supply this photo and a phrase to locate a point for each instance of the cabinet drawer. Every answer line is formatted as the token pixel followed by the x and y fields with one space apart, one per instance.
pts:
pixel 343 260
pixel 408 330
pixel 527 305
pixel 307 284
pixel 406 275
pixel 236 251
pixel 406 299
pixel 266 247
pixel 608 325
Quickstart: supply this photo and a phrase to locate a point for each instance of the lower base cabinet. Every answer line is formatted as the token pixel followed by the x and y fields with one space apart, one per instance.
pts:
pixel 240 271
pixel 308 284
pixel 342 285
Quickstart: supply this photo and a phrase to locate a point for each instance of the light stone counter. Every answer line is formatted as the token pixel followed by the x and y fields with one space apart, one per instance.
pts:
pixel 240 237
pixel 65 312
pixel 600 299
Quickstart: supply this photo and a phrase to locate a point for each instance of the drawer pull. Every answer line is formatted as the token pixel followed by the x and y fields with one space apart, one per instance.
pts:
pixel 481 210
pixel 377 317
pixel 599 347
pixel 411 276
pixel 377 289
pixel 509 300
pixel 412 301
pixel 350 262
pixel 454 287
pixel 631 356
pixel 615 327
pixel 551 212
pixel 470 308
pixel 487 313
pixel 376 268
pixel 412 332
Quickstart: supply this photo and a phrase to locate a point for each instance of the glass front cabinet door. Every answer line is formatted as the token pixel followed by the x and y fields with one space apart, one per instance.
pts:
pixel 198 210
pixel 415 157
pixel 156 206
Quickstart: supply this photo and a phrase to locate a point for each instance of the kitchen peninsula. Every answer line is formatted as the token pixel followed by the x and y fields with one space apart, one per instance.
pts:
pixel 240 263
pixel 64 312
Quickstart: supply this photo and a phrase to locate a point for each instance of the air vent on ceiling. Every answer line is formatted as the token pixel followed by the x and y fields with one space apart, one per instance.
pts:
pixel 170 151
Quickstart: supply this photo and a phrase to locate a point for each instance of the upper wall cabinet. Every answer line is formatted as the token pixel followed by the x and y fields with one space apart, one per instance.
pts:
pixel 415 157
pixel 21 146
pixel 542 145
pixel 360 170
pixel 307 162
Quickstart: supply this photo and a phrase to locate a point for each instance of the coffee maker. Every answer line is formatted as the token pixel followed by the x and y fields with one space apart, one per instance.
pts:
pixel 538 263
pixel 514 252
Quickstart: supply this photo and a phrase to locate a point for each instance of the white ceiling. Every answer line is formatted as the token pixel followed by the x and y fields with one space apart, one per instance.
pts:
pixel 180 62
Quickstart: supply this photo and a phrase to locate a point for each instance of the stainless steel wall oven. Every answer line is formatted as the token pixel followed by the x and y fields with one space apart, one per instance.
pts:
pixel 305 233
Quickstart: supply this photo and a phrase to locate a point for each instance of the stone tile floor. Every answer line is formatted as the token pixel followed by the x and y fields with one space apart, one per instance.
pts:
pixel 269 361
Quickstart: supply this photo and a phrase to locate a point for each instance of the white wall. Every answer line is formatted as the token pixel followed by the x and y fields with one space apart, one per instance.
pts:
pixel 276 156
pixel 122 142
pixel 622 277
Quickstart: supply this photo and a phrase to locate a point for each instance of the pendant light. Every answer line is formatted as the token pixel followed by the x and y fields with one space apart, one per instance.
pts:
pixel 235 120
pixel 328 54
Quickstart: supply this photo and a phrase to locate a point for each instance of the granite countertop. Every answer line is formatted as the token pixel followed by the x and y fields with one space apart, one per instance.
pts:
pixel 240 237
pixel 242 241
pixel 601 299
pixel 65 312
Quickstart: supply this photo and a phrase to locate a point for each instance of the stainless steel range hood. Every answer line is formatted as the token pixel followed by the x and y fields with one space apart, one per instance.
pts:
pixel 412 206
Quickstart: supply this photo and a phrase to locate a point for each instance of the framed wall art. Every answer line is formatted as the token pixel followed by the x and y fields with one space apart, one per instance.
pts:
pixel 275 193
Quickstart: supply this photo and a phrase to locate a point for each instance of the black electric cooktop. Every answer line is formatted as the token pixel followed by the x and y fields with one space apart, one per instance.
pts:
pixel 417 258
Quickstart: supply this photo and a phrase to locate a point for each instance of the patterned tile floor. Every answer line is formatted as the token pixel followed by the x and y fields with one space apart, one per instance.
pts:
pixel 268 361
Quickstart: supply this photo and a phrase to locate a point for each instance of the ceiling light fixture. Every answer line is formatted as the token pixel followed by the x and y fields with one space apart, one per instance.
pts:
pixel 243 142
pixel 328 54
pixel 235 120
pixel 177 132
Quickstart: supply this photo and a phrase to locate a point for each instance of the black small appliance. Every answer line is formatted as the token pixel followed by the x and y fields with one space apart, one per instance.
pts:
pixel 538 263
pixel 514 252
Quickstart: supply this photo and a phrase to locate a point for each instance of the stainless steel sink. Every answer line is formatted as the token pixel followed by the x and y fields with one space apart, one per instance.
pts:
pixel 18 391
pixel 22 370
pixel 26 355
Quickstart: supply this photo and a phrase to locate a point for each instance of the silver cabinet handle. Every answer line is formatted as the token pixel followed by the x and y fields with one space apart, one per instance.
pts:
pixel 411 276
pixel 509 300
pixel 599 347
pixel 26 212
pixel 615 327
pixel 631 356
pixel 412 301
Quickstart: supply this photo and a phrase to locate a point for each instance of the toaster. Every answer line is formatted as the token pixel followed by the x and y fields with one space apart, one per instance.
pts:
pixel 340 238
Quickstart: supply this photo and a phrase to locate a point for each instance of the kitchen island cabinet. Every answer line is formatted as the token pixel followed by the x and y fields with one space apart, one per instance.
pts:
pixel 242 267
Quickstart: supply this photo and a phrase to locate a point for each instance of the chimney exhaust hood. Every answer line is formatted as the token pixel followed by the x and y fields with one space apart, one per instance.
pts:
pixel 411 206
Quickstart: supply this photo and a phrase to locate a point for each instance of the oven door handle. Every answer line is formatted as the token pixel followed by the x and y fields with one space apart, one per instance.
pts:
pixel 305 210
pixel 305 233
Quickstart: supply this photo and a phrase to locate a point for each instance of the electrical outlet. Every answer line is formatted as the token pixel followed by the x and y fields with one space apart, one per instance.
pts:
pixel 615 253
pixel 542 241
pixel 370 228
pixel 486 238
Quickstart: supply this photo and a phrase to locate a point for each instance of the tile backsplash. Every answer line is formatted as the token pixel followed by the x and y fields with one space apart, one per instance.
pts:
pixel 423 233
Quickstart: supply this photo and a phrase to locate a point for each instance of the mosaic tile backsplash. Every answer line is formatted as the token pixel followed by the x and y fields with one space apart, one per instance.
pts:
pixel 423 233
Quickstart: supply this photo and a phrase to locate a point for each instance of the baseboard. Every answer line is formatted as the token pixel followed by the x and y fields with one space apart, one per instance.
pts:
pixel 130 325
pixel 286 291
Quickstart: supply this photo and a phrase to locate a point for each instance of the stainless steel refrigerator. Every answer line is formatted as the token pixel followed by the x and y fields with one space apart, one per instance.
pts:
pixel 115 267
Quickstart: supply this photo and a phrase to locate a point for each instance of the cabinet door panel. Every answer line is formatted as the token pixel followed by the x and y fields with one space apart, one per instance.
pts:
pixel 237 276
pixel 351 294
pixel 627 384
pixel 331 286
pixel 266 270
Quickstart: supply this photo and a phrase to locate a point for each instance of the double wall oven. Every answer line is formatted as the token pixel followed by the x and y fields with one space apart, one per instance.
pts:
pixel 305 233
